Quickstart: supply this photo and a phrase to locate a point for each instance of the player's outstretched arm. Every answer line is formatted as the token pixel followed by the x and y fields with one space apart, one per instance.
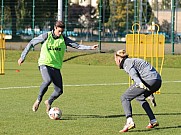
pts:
pixel 94 47
pixel 76 45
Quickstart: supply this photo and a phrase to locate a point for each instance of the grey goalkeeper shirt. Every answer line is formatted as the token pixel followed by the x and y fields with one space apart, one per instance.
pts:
pixel 140 69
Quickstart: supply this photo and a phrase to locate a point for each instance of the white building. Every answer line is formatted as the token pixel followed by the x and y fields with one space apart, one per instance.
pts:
pixel 85 2
pixel 153 1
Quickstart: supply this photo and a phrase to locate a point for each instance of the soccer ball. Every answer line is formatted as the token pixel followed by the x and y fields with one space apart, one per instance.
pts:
pixel 55 113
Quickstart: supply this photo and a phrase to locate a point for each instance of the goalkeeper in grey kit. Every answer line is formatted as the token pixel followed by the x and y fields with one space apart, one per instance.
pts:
pixel 146 81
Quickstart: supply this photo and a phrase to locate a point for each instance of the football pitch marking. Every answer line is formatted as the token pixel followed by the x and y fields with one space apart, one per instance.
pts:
pixel 79 85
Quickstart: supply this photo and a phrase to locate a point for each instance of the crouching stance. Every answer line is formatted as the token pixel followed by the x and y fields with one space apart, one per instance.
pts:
pixel 146 81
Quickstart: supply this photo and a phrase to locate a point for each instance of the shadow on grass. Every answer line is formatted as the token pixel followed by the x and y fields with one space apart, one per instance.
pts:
pixel 73 57
pixel 157 128
pixel 113 116
pixel 171 93
pixel 73 117
pixel 90 116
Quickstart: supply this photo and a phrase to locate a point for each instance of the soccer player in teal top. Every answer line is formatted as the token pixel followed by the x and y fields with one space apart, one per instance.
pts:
pixel 146 81
pixel 50 61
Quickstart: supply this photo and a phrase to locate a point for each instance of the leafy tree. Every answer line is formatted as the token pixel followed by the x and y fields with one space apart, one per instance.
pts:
pixel 149 12
pixel 165 4
pixel 119 11
pixel 119 14
pixel 19 13
pixel 81 15
pixel 166 27
pixel 75 11
pixel 27 16
pixel 105 10
pixel 7 17
pixel 11 4
pixel 44 13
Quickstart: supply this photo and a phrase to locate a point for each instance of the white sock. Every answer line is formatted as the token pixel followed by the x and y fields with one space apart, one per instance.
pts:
pixel 153 121
pixel 130 120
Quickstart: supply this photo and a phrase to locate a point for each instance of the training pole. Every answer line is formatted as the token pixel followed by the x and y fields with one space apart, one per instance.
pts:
pixel 2 53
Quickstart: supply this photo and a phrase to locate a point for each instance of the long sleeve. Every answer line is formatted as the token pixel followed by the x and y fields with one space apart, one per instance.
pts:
pixel 140 69
pixel 35 41
pixel 75 45
pixel 129 68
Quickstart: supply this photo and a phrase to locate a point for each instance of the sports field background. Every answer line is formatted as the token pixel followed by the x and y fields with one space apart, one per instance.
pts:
pixel 91 100
pixel 105 46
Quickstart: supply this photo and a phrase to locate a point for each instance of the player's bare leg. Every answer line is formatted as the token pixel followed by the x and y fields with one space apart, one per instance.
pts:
pixel 48 106
pixel 36 105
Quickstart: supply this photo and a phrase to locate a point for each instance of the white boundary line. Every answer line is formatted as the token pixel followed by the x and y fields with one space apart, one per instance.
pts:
pixel 79 85
pixel 68 85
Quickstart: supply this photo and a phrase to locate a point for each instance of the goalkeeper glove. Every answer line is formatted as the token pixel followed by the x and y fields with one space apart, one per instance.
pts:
pixel 142 86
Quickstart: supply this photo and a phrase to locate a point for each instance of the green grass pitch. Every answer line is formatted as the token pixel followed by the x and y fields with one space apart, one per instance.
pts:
pixel 90 102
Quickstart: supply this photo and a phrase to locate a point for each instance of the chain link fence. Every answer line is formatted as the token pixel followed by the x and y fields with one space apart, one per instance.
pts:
pixel 87 20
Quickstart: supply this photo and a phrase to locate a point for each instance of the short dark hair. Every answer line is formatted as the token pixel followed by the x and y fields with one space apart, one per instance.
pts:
pixel 59 24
